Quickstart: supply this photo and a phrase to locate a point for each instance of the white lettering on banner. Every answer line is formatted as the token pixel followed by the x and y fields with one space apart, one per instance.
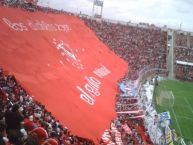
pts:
pixel 69 53
pixel 102 71
pixel 90 91
pixel 107 139
pixel 36 26
pixel 117 134
pixel 86 97
pixel 91 88
pixel 15 26
pixel 43 26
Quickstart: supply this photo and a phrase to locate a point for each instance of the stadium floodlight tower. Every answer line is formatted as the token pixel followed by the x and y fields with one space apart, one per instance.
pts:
pixel 97 9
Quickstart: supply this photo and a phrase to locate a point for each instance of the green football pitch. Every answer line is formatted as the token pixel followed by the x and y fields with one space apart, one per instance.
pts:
pixel 179 103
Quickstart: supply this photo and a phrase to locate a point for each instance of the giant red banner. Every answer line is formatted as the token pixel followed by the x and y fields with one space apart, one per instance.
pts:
pixel 60 62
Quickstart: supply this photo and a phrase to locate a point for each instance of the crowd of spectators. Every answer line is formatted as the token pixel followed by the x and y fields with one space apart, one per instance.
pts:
pixel 181 39
pixel 184 52
pixel 129 125
pixel 184 72
pixel 140 47
pixel 127 104
pixel 34 125
pixel 24 121
pixel 146 45
pixel 191 41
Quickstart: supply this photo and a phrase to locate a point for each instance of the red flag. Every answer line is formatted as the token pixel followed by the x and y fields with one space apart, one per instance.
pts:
pixel 60 61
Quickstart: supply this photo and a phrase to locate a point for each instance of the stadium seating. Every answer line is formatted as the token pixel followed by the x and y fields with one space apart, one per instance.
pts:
pixel 146 45
pixel 28 120
pixel 191 41
pixel 130 43
pixel 184 72
pixel 181 40
pixel 184 52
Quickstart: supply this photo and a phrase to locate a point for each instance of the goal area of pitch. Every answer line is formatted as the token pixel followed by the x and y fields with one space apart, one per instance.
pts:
pixel 166 99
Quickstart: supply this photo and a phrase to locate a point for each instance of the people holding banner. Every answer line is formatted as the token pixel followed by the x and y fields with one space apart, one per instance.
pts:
pixel 23 120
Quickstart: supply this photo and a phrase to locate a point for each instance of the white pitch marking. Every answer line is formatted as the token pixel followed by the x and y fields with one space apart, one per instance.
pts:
pixel 184 117
pixel 176 117
pixel 188 105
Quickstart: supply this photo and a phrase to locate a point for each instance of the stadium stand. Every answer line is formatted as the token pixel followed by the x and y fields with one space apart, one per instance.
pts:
pixel 36 125
pixel 183 53
pixel 184 72
pixel 146 45
pixel 24 121
pixel 191 41
pixel 129 123
pixel 181 39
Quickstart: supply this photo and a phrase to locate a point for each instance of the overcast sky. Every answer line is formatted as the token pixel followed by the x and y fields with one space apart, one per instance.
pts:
pixel 159 12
